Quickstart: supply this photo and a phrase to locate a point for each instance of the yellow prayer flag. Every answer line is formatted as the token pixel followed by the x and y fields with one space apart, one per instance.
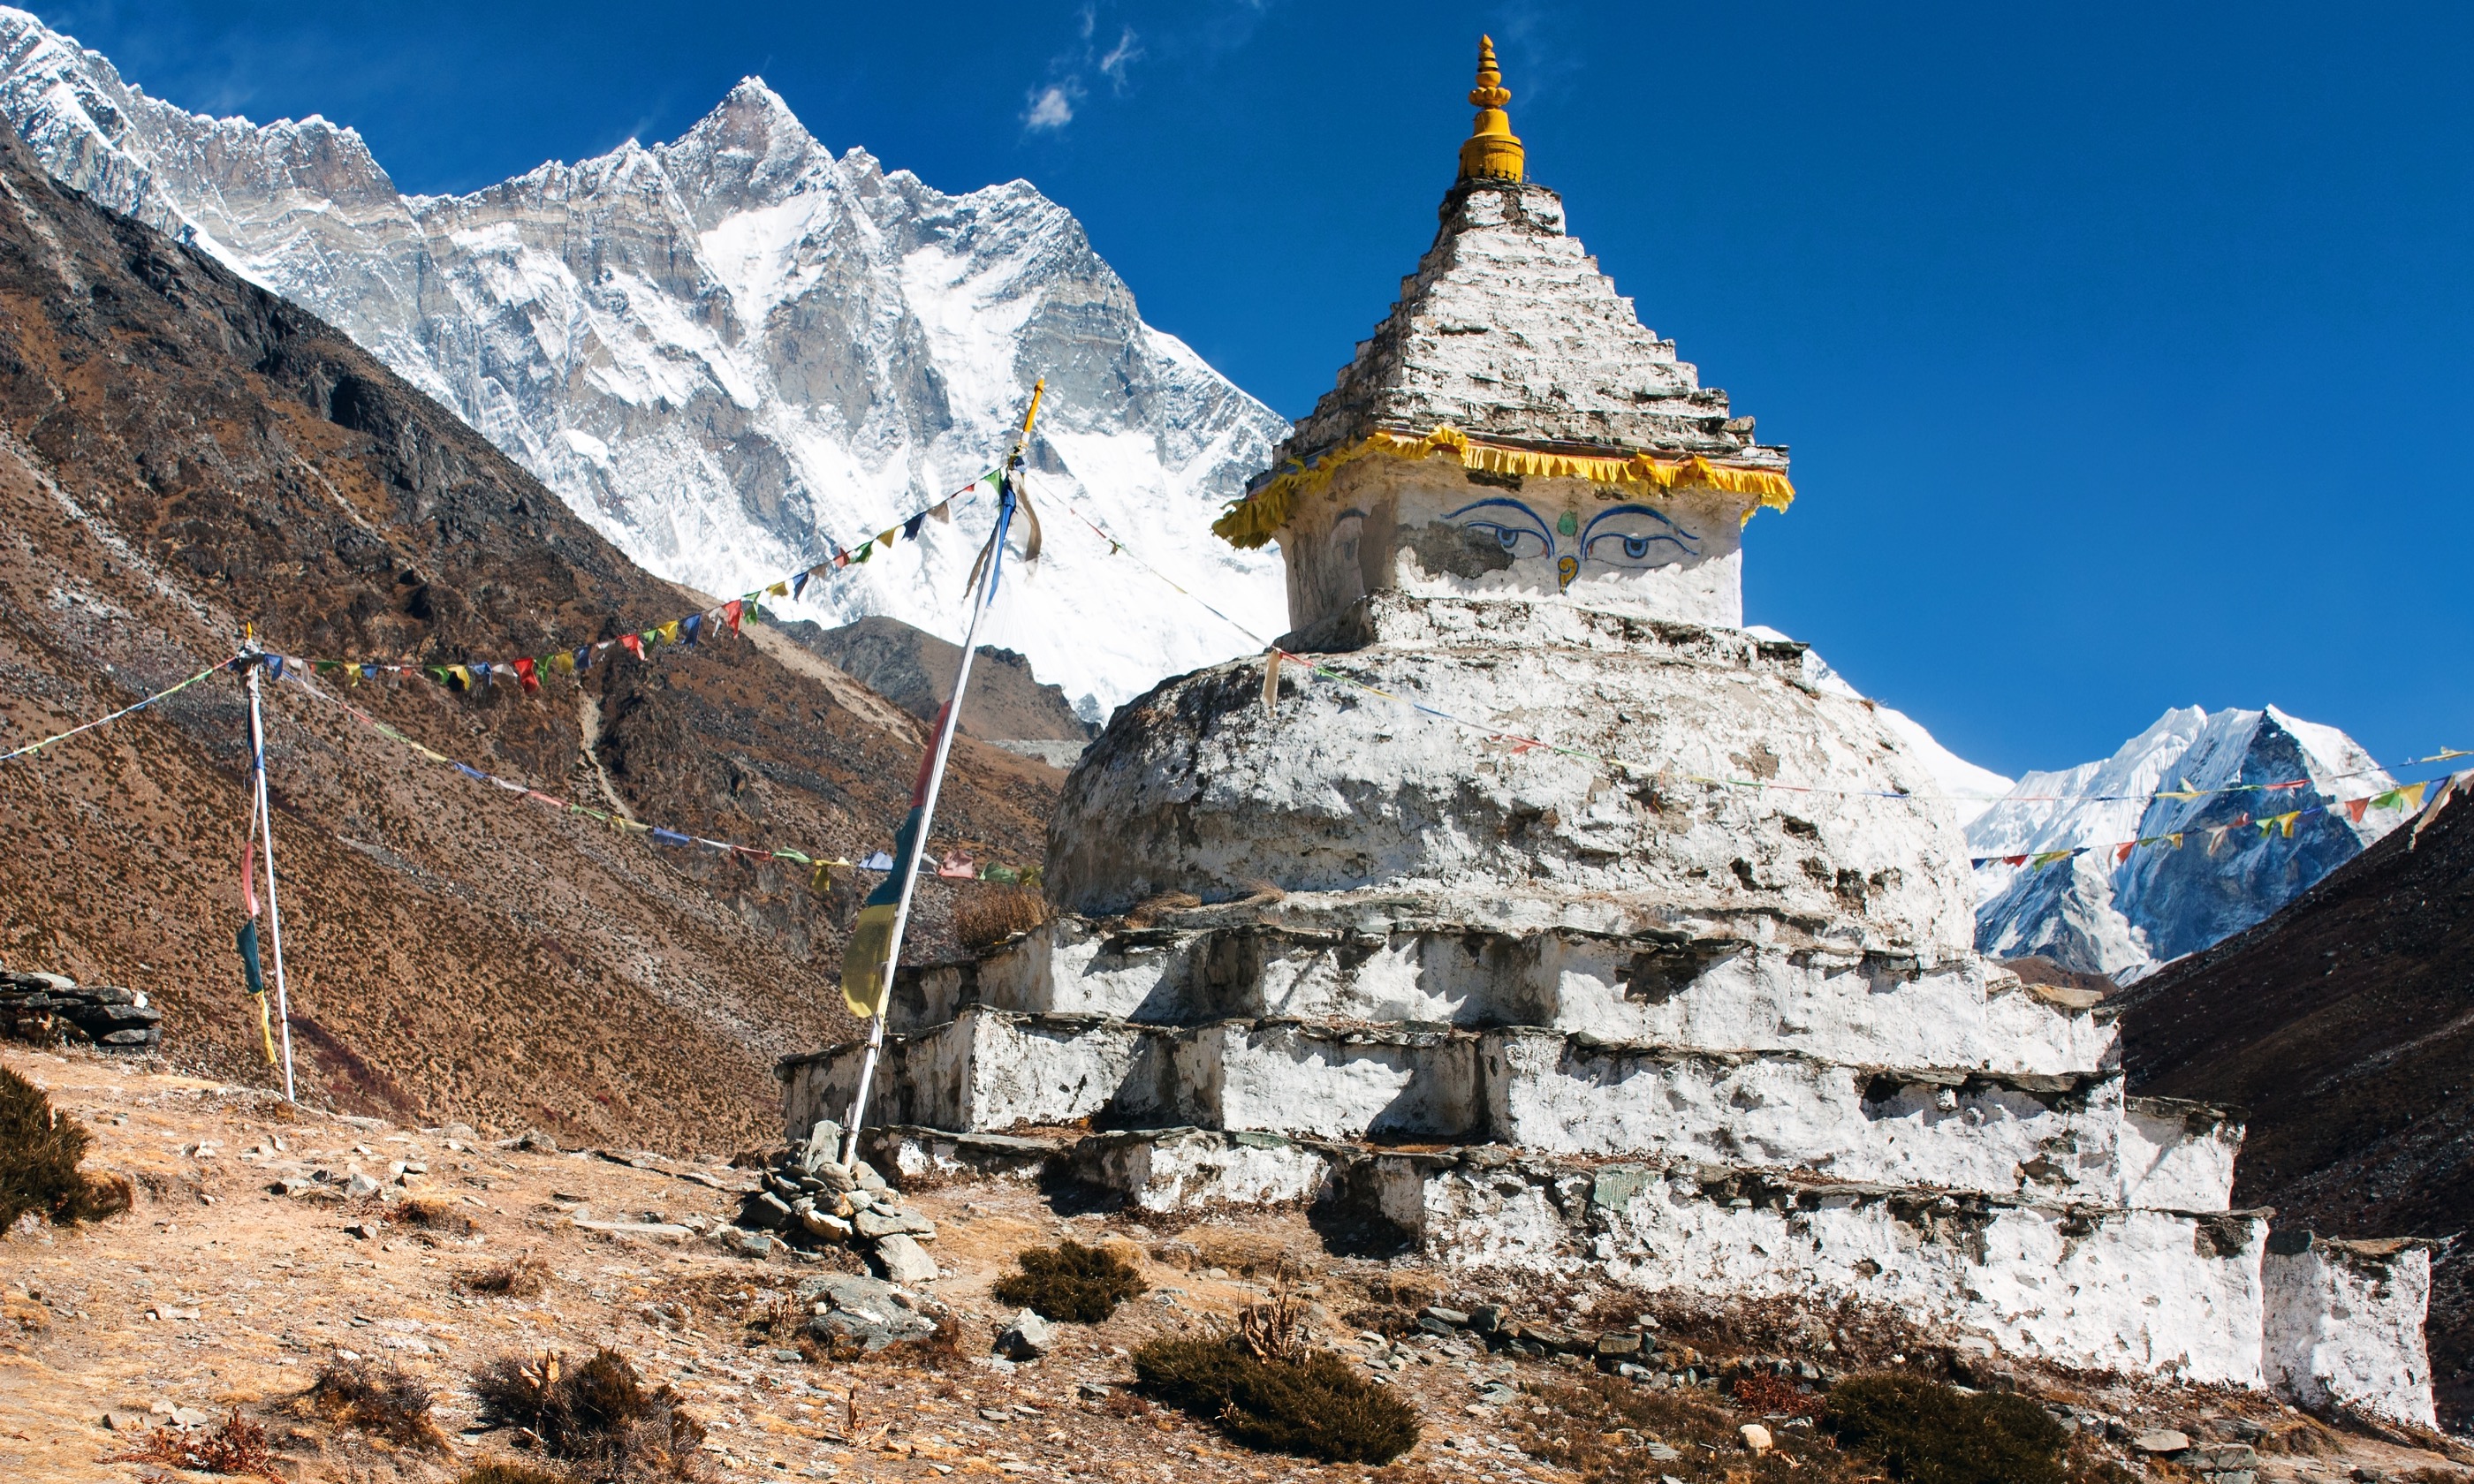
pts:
pixel 885 537
pixel 778 591
pixel 564 662
pixel 669 632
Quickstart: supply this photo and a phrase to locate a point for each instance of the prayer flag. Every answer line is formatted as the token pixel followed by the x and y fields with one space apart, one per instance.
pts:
pixel 822 880
pixel 2014 860
pixel 2122 851
pixel 958 867
pixel 251 972
pixel 2045 859
pixel 671 837
pixel 669 632
pixel 689 627
pixel 2354 809
pixel 783 589
pixel 879 861
pixel 866 549
pixel 798 585
pixel 910 527
pixel 943 510
pixel 730 612
pixel 463 675
pixel 563 663
pixel 886 535
pixel 326 666
pixel 481 677
pixel 275 667
pixel 524 675
pixel 870 946
pixel 2410 796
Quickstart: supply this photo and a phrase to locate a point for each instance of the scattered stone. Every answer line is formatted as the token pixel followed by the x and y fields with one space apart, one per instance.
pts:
pixel 850 1307
pixel 755 1244
pixel 361 1186
pixel 1619 1342
pixel 764 1212
pixel 1660 1453
pixel 877 1223
pixel 904 1260
pixel 1027 1338
pixel 824 1225
pixel 1756 1437
pixel 1093 1391
pixel 361 1229
pixel 2164 1440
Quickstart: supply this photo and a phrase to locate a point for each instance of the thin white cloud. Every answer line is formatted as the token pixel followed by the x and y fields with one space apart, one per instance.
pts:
pixel 1124 53
pixel 1050 106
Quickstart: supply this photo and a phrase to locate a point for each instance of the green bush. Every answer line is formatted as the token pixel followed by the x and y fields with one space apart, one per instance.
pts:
pixel 1315 1407
pixel 1068 1282
pixel 1927 1433
pixel 39 1151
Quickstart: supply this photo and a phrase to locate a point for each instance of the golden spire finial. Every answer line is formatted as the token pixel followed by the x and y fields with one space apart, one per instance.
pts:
pixel 1491 152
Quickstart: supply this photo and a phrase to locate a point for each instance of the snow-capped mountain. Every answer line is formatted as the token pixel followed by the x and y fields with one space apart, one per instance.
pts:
pixel 724 349
pixel 2123 918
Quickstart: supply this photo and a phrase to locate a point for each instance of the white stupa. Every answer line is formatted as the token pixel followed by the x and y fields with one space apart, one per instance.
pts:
pixel 1575 926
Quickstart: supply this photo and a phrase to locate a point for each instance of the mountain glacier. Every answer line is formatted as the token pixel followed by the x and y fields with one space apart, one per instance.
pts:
pixel 2123 918
pixel 725 349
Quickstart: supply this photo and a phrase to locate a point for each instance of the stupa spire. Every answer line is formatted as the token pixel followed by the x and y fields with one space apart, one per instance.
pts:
pixel 1491 152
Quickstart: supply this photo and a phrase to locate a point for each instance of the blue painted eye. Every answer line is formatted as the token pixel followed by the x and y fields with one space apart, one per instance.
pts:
pixel 1515 541
pixel 1636 546
pixel 1662 542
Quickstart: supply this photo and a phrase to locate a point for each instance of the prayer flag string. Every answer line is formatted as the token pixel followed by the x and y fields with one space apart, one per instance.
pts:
pixel 166 693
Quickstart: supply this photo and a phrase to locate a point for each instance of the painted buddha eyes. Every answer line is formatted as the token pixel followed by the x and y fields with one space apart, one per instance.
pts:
pixel 1635 536
pixel 1512 525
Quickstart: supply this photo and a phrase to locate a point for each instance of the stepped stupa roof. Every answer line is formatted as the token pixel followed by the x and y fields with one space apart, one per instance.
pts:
pixel 1509 338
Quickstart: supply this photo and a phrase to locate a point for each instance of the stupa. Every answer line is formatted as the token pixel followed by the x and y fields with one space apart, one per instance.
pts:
pixel 1565 924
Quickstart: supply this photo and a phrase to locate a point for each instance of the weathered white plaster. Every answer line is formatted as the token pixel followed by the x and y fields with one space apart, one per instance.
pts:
pixel 2344 1325
pixel 1707 995
pixel 1552 1096
pixel 1193 1169
pixel 1182 794
pixel 2177 1156
pixel 2144 1292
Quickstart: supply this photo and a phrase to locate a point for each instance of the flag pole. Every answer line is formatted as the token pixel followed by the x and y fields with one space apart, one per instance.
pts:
pixel 949 720
pixel 266 834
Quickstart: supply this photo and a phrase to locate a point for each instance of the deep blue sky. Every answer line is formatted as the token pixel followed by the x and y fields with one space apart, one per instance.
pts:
pixel 2123 349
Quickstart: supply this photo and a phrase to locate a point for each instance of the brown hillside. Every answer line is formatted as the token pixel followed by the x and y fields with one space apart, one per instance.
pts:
pixel 2345 1024
pixel 915 670
pixel 182 453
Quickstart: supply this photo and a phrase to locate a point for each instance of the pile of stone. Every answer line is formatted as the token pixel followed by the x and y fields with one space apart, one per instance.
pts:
pixel 809 1199
pixel 50 1009
pixel 1638 1353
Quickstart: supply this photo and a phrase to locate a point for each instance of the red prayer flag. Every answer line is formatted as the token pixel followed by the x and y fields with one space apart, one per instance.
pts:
pixel 2122 851
pixel 524 673
pixel 730 612
pixel 632 645
pixel 2014 860
pixel 2354 809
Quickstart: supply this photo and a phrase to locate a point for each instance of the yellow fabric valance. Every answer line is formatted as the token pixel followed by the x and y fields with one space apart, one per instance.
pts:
pixel 1255 519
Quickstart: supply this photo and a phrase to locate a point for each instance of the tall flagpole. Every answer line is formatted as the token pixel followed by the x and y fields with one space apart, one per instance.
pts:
pixel 952 718
pixel 266 833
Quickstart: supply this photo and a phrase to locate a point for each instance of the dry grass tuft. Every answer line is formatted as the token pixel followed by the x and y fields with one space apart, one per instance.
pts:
pixel 985 917
pixel 499 1471
pixel 385 1400
pixel 519 1278
pixel 1068 1282
pixel 236 1446
pixel 1312 1407
pixel 39 1150
pixel 1151 909
pixel 596 1414
pixel 432 1213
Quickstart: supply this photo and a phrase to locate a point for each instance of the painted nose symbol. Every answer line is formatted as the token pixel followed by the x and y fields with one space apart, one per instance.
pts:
pixel 1566 570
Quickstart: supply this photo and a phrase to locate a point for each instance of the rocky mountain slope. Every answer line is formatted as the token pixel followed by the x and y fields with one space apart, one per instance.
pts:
pixel 2099 914
pixel 183 453
pixel 916 671
pixel 725 350
pixel 2345 1024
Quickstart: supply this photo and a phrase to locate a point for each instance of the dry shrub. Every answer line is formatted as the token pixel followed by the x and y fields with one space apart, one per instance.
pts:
pixel 39 1150
pixel 386 1399
pixel 431 1213
pixel 1771 1395
pixel 519 1278
pixel 1070 1282
pixel 596 1414
pixel 985 917
pixel 499 1471
pixel 1151 909
pixel 1924 1432
pixel 236 1446
pixel 1313 1408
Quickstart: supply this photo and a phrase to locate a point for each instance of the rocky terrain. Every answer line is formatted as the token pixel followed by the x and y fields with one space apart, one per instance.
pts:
pixel 269 1244
pixel 724 350
pixel 182 454
pixel 2342 1026
pixel 915 670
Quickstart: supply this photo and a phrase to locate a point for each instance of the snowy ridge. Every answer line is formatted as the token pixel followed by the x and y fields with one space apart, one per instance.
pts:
pixel 2126 918
pixel 724 350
